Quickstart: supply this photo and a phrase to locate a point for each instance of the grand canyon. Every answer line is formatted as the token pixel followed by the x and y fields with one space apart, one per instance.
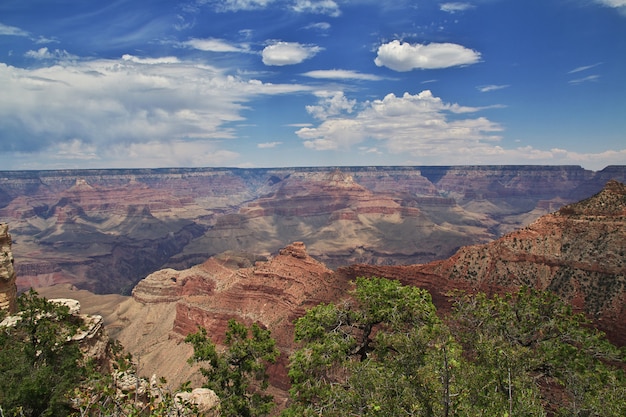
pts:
pixel 104 230
pixel 197 247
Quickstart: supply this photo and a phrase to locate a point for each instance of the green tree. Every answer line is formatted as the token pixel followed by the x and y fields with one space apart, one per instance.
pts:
pixel 39 367
pixel 386 353
pixel 238 375
pixel 527 345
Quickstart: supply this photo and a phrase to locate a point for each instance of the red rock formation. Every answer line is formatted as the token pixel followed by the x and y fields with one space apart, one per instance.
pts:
pixel 104 230
pixel 271 293
pixel 578 252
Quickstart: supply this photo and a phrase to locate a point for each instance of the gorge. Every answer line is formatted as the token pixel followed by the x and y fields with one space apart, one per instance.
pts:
pixel 104 230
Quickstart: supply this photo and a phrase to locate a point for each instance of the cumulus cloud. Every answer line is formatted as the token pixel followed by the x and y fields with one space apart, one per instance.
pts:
pixel 339 74
pixel 401 56
pixel 123 107
pixel 455 7
pixel 328 7
pixel 417 124
pixel 331 104
pixel 214 45
pixel 612 3
pixel 288 53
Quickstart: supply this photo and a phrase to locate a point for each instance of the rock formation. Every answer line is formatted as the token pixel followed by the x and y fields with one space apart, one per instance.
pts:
pixel 578 252
pixel 104 230
pixel 8 289
pixel 169 304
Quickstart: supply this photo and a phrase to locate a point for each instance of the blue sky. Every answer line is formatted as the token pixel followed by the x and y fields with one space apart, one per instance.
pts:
pixel 273 83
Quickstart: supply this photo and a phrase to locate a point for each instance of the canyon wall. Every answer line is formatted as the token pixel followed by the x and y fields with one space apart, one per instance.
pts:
pixel 578 252
pixel 104 230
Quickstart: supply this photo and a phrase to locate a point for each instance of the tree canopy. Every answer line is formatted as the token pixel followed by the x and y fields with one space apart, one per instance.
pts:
pixel 38 367
pixel 238 375
pixel 385 352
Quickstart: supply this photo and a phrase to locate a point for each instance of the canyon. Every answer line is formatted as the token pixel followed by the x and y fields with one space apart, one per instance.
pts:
pixel 577 252
pixel 105 230
pixel 501 232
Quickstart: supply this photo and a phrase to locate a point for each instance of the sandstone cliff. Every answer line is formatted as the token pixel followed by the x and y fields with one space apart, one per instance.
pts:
pixel 578 252
pixel 169 304
pixel 8 289
pixel 104 230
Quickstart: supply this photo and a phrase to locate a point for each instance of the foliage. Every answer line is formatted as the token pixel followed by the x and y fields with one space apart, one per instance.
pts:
pixel 386 353
pixel 38 367
pixel 528 348
pixel 239 374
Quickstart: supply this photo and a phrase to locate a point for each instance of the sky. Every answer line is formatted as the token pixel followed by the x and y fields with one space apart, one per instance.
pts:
pixel 285 83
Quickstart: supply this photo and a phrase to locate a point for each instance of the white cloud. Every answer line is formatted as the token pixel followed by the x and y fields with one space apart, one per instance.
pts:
pixel 268 145
pixel 120 108
pixel 455 7
pixel 288 53
pixel 339 74
pixel 401 56
pixel 413 124
pixel 214 45
pixel 237 5
pixel 612 3
pixel 44 53
pixel 589 78
pixel 331 104
pixel 328 7
pixel 12 31
pixel 318 26
pixel 492 87
pixel 584 68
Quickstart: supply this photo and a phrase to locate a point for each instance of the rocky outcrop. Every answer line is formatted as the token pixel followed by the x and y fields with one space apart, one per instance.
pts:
pixel 271 293
pixel 204 400
pixel 8 289
pixel 104 230
pixel 91 337
pixel 578 252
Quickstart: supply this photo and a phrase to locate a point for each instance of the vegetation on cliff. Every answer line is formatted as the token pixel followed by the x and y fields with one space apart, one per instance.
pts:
pixel 238 375
pixel 385 351
pixel 387 354
pixel 38 368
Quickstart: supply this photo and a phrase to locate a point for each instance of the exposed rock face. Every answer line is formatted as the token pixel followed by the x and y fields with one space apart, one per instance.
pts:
pixel 271 293
pixel 203 399
pixel 104 230
pixel 578 252
pixel 8 289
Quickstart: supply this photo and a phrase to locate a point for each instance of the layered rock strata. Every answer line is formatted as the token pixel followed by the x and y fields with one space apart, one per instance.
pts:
pixel 578 252
pixel 271 293
pixel 104 230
